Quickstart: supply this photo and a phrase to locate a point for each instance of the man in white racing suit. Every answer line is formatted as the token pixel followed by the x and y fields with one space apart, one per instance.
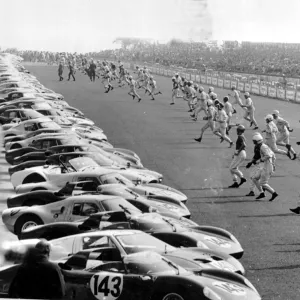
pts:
pixel 284 130
pixel 271 136
pixel 266 167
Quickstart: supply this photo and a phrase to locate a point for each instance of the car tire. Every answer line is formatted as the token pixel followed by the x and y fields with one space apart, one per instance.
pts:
pixel 25 222
pixel 33 178
pixel 15 146
pixel 168 294
pixel 172 296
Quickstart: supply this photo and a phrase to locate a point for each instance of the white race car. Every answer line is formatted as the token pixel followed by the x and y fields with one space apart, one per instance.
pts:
pixel 71 209
pixel 69 169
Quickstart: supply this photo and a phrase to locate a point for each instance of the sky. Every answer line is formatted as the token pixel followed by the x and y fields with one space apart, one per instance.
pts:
pixel 91 25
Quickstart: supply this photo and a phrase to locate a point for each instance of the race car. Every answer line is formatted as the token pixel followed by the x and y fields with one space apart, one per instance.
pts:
pixel 63 168
pixel 99 158
pixel 114 183
pixel 28 126
pixel 135 241
pixel 103 273
pixel 166 206
pixel 62 135
pixel 26 104
pixel 18 115
pixel 24 154
pixel 72 117
pixel 70 209
pixel 179 233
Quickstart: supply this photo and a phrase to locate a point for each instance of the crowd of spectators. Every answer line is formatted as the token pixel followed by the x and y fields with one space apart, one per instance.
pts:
pixel 254 58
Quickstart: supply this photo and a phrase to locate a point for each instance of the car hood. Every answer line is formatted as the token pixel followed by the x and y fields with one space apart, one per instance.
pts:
pixel 149 189
pixel 228 286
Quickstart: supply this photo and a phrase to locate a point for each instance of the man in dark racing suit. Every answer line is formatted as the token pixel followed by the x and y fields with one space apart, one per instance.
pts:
pixel 37 278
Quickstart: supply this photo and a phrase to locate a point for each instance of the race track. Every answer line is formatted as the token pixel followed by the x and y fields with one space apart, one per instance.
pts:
pixel 163 136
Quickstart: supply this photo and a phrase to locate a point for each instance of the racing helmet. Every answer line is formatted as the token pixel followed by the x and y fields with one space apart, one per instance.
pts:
pixel 240 129
pixel 213 96
pixel 209 102
pixel 247 95
pixel 269 118
pixel 257 138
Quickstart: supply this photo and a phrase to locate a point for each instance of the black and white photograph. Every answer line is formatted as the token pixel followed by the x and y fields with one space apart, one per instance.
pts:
pixel 149 149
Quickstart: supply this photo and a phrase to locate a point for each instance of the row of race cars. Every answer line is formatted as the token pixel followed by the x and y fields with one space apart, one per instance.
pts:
pixel 115 230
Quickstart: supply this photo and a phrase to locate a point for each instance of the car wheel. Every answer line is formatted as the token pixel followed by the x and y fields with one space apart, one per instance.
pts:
pixel 33 178
pixel 172 296
pixel 16 146
pixel 25 222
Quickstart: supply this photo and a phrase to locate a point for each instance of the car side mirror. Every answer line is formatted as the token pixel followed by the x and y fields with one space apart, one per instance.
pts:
pixel 62 210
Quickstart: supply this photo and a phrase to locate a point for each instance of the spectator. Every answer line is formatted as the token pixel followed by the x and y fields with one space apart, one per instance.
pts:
pixel 37 278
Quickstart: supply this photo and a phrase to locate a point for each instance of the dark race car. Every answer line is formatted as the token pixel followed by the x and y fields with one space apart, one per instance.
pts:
pixel 104 274
pixel 178 233
pixel 40 154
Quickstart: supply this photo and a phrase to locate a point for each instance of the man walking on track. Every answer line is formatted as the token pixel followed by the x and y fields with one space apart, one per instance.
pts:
pixel 60 71
pixel 71 71
pixel 92 70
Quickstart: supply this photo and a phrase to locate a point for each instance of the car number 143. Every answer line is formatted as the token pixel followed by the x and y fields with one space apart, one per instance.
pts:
pixel 106 286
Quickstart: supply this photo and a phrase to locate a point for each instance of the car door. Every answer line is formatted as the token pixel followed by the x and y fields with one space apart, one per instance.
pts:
pixel 112 282
pixel 60 211
pixel 81 210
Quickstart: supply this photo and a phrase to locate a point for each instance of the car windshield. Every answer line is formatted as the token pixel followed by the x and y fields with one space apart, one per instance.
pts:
pixel 118 204
pixel 32 114
pixel 62 121
pixel 133 243
pixel 115 178
pixel 150 263
pixel 101 160
pixel 79 163
pixel 48 125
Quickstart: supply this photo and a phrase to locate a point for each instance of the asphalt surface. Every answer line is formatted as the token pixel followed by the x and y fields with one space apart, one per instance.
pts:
pixel 163 136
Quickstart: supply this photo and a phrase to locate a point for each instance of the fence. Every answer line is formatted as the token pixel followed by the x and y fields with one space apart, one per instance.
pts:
pixel 289 95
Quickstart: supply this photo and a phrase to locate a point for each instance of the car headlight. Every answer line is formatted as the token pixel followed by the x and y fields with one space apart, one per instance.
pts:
pixel 201 245
pixel 210 294
pixel 160 179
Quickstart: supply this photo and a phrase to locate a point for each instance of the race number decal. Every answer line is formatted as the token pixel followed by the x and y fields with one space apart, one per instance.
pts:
pixel 217 241
pixel 230 288
pixel 106 286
